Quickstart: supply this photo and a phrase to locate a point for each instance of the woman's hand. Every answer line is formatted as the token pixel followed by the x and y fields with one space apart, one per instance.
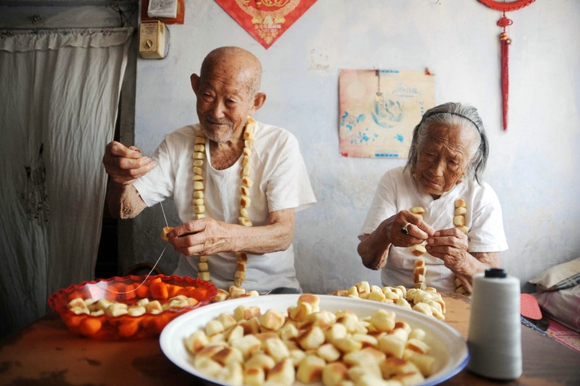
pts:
pixel 450 245
pixel 417 230
pixel 374 248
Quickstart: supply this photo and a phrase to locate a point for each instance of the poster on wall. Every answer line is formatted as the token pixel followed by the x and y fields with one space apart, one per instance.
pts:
pixel 265 20
pixel 379 110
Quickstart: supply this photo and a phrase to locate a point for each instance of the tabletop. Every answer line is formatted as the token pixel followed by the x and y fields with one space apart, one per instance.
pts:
pixel 46 352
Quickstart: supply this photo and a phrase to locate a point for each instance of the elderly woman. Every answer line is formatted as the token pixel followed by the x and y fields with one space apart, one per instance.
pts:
pixel 447 157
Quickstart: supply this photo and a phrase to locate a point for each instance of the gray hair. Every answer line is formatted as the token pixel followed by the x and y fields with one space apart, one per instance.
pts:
pixel 463 116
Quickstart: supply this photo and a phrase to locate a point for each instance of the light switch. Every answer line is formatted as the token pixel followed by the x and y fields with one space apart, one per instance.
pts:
pixel 152 40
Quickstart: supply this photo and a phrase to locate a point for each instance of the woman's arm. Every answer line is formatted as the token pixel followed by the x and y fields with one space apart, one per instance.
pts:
pixel 451 246
pixel 478 262
pixel 373 248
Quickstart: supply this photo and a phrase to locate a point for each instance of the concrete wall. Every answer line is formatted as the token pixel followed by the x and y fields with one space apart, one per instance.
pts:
pixel 533 167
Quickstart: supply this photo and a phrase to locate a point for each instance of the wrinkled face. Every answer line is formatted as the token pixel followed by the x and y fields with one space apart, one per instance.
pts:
pixel 225 98
pixel 444 154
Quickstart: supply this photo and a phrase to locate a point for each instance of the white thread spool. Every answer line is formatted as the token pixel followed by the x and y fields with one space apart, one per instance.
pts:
pixel 494 337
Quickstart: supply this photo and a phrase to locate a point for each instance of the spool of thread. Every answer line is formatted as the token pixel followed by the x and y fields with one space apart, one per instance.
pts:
pixel 494 337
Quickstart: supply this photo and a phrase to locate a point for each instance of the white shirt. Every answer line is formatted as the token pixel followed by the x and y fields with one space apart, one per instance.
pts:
pixel 398 191
pixel 280 182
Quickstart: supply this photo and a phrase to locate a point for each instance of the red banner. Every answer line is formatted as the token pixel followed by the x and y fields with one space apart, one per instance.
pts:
pixel 265 20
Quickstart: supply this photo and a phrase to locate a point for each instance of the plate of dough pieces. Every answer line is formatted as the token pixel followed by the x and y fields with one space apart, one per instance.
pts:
pixel 313 340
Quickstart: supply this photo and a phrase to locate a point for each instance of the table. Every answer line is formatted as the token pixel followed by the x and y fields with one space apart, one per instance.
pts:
pixel 46 352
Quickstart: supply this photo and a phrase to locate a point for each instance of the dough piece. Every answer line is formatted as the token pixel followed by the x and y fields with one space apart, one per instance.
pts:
pixel 164 233
pixel 418 210
pixel 420 272
pixel 418 250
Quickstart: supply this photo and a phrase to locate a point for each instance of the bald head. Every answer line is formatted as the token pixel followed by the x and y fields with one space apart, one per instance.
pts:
pixel 233 63
pixel 227 92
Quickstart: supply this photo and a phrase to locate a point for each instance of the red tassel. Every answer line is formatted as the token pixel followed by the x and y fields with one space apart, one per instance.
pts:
pixel 505 77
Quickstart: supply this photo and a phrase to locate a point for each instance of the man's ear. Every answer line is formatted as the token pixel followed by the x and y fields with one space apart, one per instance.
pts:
pixel 195 81
pixel 259 100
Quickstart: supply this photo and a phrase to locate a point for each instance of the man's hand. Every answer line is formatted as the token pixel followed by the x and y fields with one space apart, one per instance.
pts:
pixel 207 236
pixel 125 164
pixel 202 237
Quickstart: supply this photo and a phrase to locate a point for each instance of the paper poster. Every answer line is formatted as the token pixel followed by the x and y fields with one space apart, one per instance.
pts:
pixel 379 110
pixel 265 20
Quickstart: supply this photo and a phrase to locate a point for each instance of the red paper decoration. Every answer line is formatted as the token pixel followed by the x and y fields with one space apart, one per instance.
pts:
pixel 503 6
pixel 505 41
pixel 265 20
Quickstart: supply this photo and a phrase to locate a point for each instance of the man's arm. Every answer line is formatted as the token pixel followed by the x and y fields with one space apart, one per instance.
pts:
pixel 124 165
pixel 207 236
pixel 124 201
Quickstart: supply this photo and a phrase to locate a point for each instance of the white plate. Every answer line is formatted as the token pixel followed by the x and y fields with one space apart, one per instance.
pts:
pixel 447 345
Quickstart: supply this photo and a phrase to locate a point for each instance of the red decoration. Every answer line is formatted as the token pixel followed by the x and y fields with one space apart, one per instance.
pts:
pixel 503 6
pixel 265 20
pixel 505 41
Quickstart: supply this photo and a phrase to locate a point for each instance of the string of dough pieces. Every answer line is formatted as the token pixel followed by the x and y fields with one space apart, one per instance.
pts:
pixel 459 222
pixel 420 269
pixel 236 290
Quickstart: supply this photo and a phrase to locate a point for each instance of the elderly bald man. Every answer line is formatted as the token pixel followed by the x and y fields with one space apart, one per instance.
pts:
pixel 456 239
pixel 236 182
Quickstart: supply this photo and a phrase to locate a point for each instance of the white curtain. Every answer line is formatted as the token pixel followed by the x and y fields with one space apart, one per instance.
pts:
pixel 59 92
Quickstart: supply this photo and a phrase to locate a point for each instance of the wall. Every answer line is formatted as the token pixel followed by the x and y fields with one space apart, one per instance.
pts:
pixel 532 166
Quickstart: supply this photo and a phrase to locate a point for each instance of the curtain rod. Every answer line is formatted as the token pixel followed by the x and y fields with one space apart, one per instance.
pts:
pixel 64 3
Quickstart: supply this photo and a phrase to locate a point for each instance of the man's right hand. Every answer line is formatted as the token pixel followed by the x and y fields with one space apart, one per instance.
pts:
pixel 125 164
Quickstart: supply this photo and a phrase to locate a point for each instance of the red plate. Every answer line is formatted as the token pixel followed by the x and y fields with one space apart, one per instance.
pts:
pixel 129 290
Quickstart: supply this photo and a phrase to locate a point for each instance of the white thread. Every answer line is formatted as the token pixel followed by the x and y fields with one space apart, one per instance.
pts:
pixel 144 280
pixel 494 337
pixel 152 269
pixel 163 211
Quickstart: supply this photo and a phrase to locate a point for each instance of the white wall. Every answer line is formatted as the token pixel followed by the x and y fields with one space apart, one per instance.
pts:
pixel 532 166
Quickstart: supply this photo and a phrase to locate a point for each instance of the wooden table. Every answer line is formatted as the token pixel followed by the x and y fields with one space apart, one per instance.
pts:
pixel 47 353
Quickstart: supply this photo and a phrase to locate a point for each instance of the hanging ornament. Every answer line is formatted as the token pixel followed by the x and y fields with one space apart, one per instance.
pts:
pixel 505 41
pixel 265 20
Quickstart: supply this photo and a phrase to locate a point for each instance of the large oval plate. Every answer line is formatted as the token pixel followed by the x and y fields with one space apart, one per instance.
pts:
pixel 447 345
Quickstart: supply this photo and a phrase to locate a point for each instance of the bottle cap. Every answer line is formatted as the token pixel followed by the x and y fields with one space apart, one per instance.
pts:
pixel 495 273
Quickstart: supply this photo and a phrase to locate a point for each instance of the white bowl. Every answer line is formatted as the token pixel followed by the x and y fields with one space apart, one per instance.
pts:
pixel 447 345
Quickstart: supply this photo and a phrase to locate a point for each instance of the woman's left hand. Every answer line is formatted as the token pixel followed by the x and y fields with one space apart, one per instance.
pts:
pixel 450 245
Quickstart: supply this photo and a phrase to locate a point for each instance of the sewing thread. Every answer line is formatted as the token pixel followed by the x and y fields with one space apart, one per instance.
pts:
pixel 152 269
pixel 494 337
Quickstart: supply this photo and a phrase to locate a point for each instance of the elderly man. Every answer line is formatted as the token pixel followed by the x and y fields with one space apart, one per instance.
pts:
pixel 236 182
pixel 436 208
